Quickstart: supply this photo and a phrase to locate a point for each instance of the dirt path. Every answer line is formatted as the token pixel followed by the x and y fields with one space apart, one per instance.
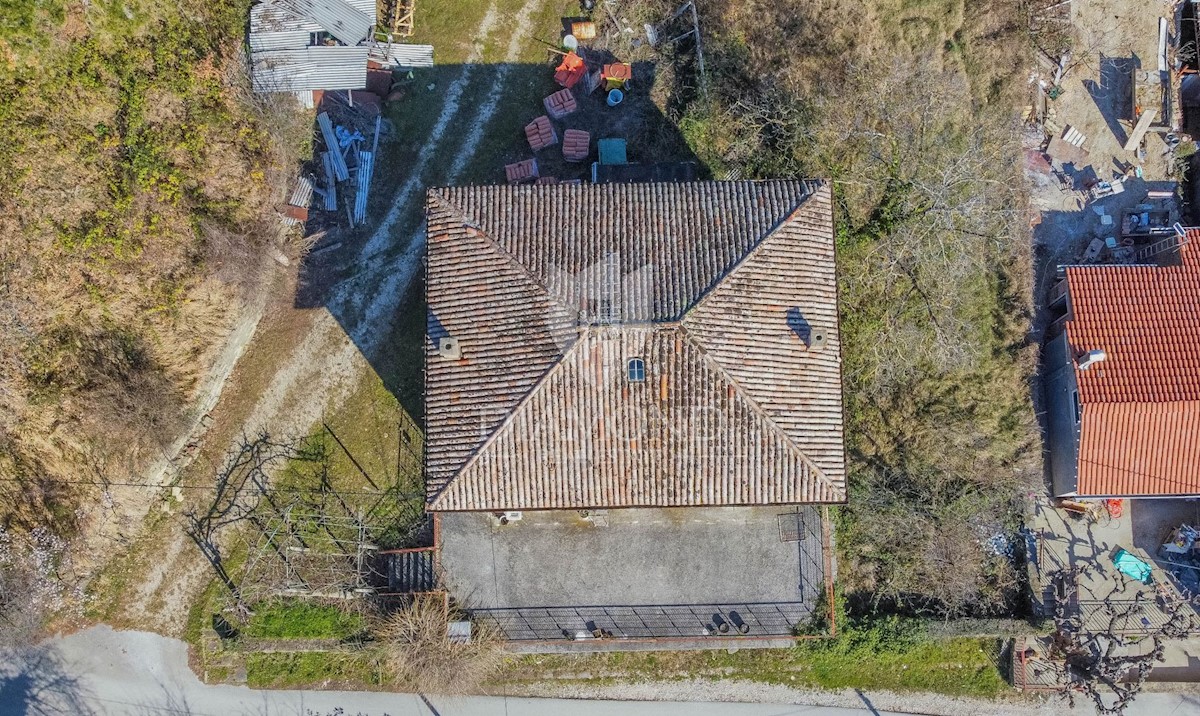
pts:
pixel 331 358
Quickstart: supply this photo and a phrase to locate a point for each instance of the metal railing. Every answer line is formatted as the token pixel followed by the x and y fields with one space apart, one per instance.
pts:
pixel 689 621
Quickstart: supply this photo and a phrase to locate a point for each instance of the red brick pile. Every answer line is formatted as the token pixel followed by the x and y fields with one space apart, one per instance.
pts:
pixel 575 145
pixel 518 172
pixel 560 104
pixel 540 133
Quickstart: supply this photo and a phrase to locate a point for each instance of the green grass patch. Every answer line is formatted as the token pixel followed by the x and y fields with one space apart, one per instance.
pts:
pixel 962 667
pixel 312 669
pixel 957 667
pixel 293 619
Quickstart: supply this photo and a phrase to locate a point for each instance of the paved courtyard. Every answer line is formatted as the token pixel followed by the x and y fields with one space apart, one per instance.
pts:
pixel 1066 541
pixel 638 573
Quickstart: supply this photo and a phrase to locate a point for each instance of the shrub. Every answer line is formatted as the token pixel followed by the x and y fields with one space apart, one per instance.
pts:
pixel 420 657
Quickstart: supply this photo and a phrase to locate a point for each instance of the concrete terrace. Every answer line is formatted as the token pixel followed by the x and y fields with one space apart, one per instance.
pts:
pixel 1065 541
pixel 639 573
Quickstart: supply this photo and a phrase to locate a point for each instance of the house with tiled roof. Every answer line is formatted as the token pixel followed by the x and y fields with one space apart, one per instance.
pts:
pixel 1123 377
pixel 632 345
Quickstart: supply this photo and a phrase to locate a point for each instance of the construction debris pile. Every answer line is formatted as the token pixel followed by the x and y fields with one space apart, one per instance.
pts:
pixel 1118 158
pixel 1180 554
pixel 311 46
pixel 347 165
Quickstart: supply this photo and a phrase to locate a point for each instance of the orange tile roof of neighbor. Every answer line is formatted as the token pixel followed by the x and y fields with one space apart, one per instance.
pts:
pixel 724 291
pixel 1140 423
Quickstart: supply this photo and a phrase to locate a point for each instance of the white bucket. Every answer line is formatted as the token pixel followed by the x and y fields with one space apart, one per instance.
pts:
pixel 570 44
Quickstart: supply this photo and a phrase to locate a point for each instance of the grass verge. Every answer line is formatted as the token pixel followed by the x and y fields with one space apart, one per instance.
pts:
pixel 957 667
pixel 280 671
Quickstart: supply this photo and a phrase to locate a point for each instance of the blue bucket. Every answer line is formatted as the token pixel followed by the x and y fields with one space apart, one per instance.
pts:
pixel 615 97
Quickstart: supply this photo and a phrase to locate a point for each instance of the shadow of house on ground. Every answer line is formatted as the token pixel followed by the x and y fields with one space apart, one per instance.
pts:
pixel 347 270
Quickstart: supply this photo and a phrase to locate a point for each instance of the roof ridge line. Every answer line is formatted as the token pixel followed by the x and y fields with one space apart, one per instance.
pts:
pixel 810 192
pixel 756 408
pixel 472 222
pixel 508 420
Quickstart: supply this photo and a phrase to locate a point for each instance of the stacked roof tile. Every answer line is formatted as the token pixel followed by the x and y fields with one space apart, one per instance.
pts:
pixel 1140 419
pixel 540 133
pixel 518 172
pixel 575 145
pixel 714 289
pixel 560 104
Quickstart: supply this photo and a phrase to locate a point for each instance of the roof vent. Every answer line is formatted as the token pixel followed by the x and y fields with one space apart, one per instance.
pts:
pixel 448 348
pixel 817 339
pixel 1091 357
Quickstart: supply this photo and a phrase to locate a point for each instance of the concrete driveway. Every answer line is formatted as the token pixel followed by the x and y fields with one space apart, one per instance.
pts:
pixel 638 572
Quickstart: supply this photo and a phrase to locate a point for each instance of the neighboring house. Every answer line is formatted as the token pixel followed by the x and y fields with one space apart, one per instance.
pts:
pixel 1123 378
pixel 632 345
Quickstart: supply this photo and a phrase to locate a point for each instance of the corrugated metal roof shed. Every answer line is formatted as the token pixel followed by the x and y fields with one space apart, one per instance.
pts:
pixel 309 68
pixel 349 22
pixel 403 55
pixel 274 28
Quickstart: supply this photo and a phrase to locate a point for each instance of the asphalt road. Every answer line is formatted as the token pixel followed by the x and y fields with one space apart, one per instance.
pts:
pixel 102 672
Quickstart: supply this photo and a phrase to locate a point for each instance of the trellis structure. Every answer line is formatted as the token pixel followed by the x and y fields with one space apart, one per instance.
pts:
pixel 308 528
pixel 397 16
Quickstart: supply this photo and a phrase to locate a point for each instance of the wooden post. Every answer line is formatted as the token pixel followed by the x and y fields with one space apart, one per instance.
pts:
pixel 699 52
pixel 1143 125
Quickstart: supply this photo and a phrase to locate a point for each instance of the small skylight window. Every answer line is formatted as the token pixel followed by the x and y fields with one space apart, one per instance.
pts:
pixel 637 370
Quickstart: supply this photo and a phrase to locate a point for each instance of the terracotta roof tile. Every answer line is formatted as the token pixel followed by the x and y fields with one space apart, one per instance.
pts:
pixel 518 172
pixel 716 286
pixel 1141 404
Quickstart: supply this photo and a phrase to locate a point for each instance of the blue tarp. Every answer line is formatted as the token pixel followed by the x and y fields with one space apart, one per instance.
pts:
pixel 1132 567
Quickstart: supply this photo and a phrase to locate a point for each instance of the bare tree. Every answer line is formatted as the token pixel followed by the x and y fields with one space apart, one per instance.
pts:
pixel 20 617
pixel 32 586
pixel 1104 664
pixel 421 656
pixel 241 487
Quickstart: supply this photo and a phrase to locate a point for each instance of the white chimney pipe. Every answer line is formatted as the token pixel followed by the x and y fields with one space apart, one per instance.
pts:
pixel 1091 357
